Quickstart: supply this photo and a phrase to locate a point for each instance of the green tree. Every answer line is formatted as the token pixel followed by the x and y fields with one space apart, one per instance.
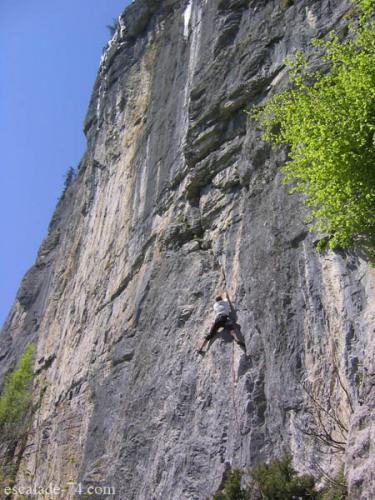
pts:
pixel 69 178
pixel 279 481
pixel 274 481
pixel 16 395
pixel 113 27
pixel 337 488
pixel 327 119
pixel 232 487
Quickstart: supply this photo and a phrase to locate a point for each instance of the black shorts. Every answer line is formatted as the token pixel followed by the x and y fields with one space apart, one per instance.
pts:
pixel 221 321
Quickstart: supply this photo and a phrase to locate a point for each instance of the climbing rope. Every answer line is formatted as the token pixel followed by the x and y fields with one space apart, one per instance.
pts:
pixel 234 382
pixel 234 402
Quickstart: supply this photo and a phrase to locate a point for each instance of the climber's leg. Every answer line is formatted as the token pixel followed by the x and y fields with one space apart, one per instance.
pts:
pixel 219 322
pixel 240 342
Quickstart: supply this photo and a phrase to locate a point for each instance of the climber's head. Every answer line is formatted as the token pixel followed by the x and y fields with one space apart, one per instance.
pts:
pixel 219 298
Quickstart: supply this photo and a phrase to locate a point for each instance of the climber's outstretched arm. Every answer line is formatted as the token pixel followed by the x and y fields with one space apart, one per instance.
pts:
pixel 229 302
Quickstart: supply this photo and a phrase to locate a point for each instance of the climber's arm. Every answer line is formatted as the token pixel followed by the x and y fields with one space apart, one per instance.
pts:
pixel 229 302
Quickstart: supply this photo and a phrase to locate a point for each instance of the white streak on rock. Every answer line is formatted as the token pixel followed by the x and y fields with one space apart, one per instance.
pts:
pixel 193 55
pixel 311 18
pixel 187 16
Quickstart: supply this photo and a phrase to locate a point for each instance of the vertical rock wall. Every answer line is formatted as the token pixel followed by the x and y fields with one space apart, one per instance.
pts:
pixel 176 199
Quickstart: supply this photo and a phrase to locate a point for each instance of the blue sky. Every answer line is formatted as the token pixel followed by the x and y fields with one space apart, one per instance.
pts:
pixel 49 56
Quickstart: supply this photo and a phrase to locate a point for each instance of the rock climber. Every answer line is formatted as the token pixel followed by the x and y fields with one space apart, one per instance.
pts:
pixel 222 310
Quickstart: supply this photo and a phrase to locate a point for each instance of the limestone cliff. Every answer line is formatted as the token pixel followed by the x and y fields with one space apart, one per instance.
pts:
pixel 177 198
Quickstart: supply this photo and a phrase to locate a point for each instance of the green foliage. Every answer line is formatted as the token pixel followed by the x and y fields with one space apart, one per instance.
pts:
pixel 16 395
pixel 232 487
pixel 275 481
pixel 7 476
pixel 328 121
pixel 113 27
pixel 367 6
pixel 279 481
pixel 69 178
pixel 337 490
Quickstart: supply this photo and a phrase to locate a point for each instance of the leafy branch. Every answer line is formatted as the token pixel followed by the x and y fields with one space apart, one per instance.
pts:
pixel 327 119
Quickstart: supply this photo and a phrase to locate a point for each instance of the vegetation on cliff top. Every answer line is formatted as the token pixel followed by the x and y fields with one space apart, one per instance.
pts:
pixel 327 119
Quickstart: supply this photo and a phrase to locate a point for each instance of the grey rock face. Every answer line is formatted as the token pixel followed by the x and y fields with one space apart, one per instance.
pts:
pixel 176 199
